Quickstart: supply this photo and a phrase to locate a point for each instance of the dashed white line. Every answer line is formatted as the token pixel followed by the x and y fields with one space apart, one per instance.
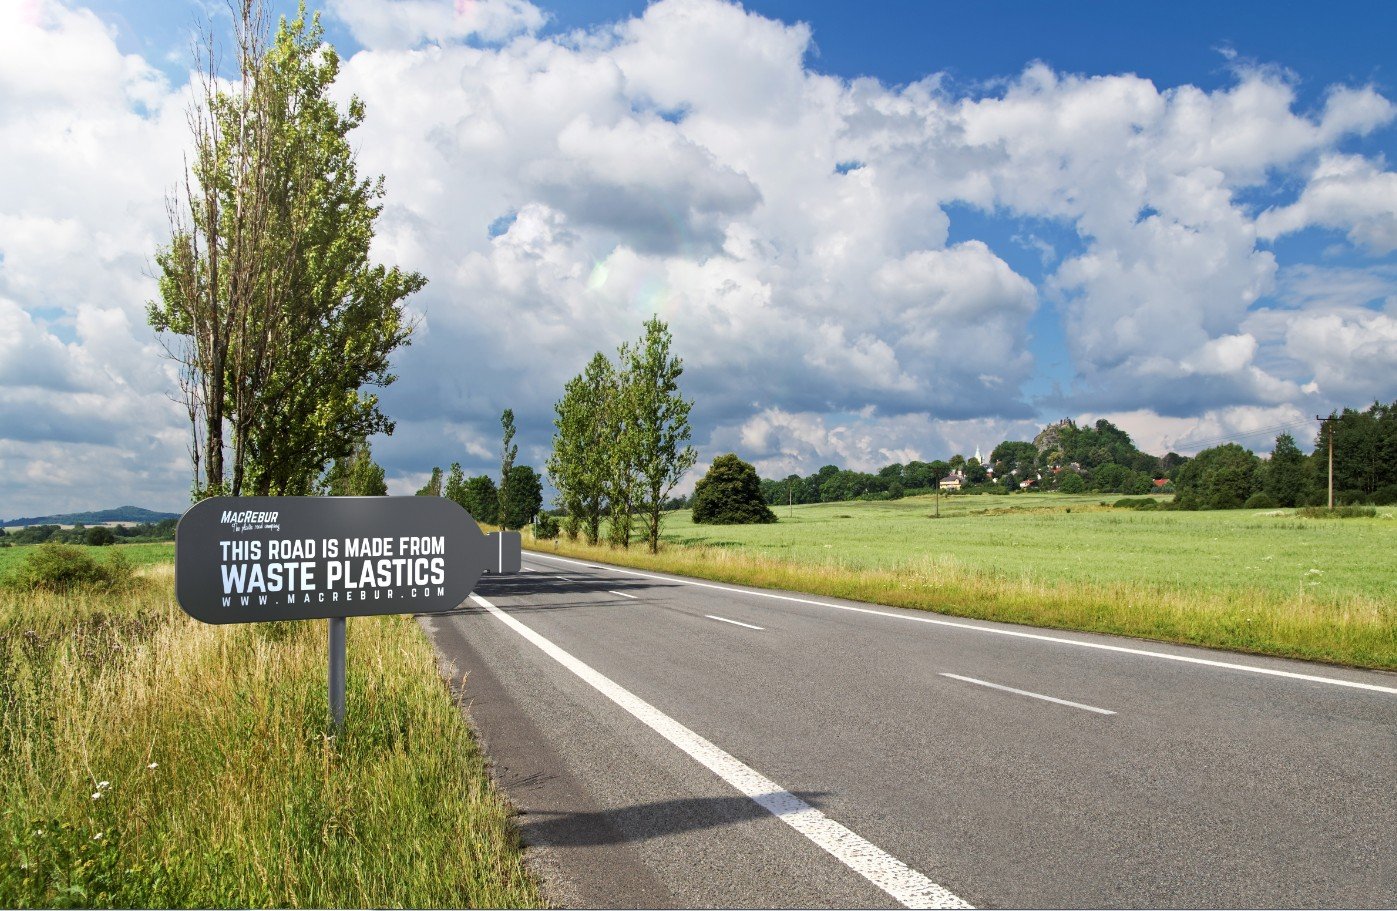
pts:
pixel 1010 689
pixel 907 886
pixel 1101 646
pixel 623 595
pixel 733 622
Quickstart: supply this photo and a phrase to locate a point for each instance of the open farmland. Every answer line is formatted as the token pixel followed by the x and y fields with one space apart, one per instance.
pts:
pixel 1261 581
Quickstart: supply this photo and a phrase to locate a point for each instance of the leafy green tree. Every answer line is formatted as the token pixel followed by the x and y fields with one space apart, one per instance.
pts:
pixel 1071 482
pixel 356 475
pixel 99 536
pixel 480 497
pixel 455 487
pixel 729 494
pixel 578 464
pixel 660 429
pixel 508 451
pixel 619 474
pixel 268 299
pixel 522 496
pixel 433 486
pixel 1285 478
pixel 1222 477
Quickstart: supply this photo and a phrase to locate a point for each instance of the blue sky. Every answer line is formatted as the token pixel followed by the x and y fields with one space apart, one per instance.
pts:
pixel 879 231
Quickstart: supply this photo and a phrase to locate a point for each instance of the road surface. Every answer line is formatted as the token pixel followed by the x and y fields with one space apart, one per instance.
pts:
pixel 676 742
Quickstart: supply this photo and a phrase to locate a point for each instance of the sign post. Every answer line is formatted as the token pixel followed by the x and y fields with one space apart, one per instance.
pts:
pixel 255 559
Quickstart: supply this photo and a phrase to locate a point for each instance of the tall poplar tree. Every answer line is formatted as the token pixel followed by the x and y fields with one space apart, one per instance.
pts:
pixel 659 431
pixel 508 452
pixel 268 299
pixel 577 465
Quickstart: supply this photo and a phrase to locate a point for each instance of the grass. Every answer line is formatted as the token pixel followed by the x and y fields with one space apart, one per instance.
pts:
pixel 153 761
pixel 1267 582
pixel 149 554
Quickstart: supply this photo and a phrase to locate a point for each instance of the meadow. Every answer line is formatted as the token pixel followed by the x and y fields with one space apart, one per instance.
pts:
pixel 1259 581
pixel 153 761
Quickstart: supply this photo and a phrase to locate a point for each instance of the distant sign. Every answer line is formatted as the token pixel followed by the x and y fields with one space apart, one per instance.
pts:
pixel 250 559
pixel 506 552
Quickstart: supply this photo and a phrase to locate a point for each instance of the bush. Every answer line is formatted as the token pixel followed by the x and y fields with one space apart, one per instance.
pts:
pixel 62 567
pixel 1338 512
pixel 1385 496
pixel 1260 500
pixel 547 527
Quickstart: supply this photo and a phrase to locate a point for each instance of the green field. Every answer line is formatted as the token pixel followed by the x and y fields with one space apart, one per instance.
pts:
pixel 1260 581
pixel 1061 538
pixel 137 554
pixel 153 761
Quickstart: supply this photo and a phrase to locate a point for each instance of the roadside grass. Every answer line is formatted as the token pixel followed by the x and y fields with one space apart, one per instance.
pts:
pixel 154 761
pixel 1264 582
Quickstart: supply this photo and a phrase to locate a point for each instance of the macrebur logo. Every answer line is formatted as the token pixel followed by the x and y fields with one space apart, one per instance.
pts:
pixel 247 517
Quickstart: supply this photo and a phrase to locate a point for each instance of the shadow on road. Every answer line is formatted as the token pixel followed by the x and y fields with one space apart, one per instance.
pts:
pixel 642 822
pixel 541 585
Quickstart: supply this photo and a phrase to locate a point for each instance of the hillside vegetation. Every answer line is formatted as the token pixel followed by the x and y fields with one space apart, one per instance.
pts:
pixel 1265 581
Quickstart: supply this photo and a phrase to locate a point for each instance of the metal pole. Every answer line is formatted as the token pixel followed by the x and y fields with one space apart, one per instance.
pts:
pixel 337 672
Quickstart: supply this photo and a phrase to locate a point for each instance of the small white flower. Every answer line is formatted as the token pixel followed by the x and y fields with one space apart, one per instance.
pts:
pixel 97 837
pixel 152 765
pixel 96 795
pixel 103 785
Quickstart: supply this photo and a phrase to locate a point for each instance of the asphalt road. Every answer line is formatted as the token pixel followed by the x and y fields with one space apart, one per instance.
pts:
pixel 633 721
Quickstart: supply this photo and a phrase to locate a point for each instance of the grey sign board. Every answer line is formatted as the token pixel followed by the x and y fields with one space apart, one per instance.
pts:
pixel 249 559
pixel 506 551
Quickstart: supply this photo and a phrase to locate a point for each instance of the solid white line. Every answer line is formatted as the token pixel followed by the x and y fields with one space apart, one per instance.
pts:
pixel 734 622
pixel 623 595
pixel 1010 689
pixel 886 872
pixel 1270 672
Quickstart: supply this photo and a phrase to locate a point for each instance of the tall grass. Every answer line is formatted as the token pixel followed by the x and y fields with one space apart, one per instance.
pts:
pixel 903 565
pixel 150 760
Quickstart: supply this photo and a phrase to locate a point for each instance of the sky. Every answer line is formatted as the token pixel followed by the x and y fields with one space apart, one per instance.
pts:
pixel 878 232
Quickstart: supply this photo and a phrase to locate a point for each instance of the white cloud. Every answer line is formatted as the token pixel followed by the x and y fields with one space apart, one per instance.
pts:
pixel 385 24
pixel 557 191
pixel 1345 192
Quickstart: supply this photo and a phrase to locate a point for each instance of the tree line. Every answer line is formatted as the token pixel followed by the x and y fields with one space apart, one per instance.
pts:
pixel 93 535
pixel 620 443
pixel 1102 458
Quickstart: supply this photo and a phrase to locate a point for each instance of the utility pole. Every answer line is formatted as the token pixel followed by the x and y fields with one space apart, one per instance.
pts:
pixel 1330 421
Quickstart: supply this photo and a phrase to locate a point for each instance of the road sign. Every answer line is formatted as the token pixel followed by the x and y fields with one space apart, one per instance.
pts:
pixel 250 559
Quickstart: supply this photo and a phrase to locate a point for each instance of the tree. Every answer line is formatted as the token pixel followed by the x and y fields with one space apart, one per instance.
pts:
pixel 660 430
pixel 619 465
pixel 577 465
pixel 433 486
pixel 1285 477
pixel 99 536
pixel 507 454
pixel 1222 477
pixel 355 475
pixel 268 300
pixel 1072 483
pixel 729 494
pixel 480 497
pixel 522 496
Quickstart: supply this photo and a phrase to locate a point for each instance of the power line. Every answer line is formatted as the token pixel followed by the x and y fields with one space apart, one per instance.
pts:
pixel 1238 435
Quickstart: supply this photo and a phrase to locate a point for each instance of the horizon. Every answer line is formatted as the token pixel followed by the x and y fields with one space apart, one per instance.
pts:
pixel 932 229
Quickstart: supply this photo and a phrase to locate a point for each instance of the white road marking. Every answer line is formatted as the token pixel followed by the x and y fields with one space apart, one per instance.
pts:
pixel 886 872
pixel 1010 689
pixel 733 622
pixel 623 595
pixel 1186 659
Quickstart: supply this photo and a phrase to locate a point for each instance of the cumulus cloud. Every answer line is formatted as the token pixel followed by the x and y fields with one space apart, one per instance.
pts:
pixel 1345 192
pixel 558 190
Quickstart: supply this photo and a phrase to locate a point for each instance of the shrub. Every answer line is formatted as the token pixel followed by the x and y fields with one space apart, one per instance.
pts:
pixel 547 527
pixel 1385 496
pixel 1260 500
pixel 62 567
pixel 1338 512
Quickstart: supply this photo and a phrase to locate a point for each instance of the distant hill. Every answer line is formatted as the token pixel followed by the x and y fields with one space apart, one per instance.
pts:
pixel 120 514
